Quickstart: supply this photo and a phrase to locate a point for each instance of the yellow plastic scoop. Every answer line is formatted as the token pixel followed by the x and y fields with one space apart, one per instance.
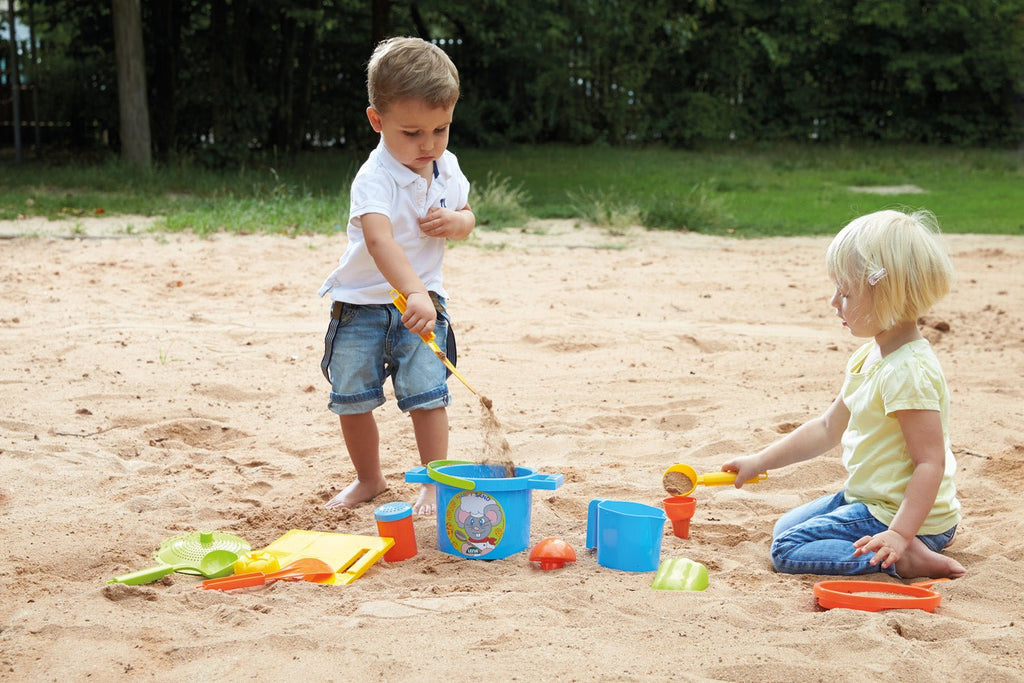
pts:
pixel 682 480
pixel 428 339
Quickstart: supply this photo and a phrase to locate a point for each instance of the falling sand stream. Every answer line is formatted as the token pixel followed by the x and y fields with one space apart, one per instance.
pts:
pixel 496 451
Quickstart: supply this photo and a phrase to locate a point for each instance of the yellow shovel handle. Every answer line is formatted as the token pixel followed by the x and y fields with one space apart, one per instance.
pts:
pixel 716 478
pixel 400 304
pixel 724 478
pixel 428 339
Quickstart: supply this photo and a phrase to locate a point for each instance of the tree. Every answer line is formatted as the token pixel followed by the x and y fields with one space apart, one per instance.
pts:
pixel 131 83
pixel 15 82
pixel 230 80
pixel 164 41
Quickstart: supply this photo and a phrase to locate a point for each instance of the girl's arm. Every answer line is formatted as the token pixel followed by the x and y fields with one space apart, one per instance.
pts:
pixel 807 441
pixel 922 430
pixel 394 265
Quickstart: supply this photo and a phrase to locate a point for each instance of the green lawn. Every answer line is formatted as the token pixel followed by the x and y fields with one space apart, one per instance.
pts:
pixel 750 191
pixel 786 190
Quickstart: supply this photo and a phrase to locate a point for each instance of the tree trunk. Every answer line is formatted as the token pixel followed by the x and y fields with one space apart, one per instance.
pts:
pixel 166 46
pixel 33 74
pixel 282 124
pixel 15 80
pixel 304 84
pixel 380 18
pixel 131 83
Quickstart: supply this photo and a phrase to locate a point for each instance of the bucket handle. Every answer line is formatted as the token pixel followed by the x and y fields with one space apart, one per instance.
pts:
pixel 536 481
pixel 546 481
pixel 441 477
pixel 417 476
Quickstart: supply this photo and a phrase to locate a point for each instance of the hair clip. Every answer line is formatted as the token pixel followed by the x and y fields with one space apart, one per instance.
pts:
pixel 876 276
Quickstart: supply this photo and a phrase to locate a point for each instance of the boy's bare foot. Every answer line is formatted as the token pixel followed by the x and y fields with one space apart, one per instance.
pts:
pixel 920 560
pixel 426 501
pixel 357 492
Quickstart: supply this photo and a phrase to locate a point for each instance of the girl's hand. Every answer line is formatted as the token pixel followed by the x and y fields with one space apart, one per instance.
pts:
pixel 444 223
pixel 746 467
pixel 420 315
pixel 887 546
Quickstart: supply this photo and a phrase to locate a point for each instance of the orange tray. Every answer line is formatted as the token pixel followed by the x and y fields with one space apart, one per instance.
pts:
pixel 845 594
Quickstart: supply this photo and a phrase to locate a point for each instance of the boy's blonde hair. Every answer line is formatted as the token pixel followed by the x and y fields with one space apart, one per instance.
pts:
pixel 411 68
pixel 901 256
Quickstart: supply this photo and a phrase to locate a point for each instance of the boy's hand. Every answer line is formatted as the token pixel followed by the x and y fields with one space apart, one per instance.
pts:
pixel 445 223
pixel 420 315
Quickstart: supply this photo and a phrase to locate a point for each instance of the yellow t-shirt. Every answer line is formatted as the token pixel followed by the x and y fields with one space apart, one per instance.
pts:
pixel 874 450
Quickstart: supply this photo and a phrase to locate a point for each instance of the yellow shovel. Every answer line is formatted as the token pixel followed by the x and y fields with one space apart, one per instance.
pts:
pixel 428 339
pixel 682 480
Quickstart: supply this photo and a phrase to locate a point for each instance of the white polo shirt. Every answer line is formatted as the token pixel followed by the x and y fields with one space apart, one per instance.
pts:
pixel 385 186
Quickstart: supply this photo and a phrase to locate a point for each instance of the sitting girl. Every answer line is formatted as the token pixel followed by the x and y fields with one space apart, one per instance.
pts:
pixel 898 508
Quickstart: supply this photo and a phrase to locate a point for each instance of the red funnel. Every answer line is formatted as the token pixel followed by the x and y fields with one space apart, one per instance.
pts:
pixel 679 510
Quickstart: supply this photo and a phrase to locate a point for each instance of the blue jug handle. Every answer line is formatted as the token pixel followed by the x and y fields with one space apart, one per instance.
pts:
pixel 592 513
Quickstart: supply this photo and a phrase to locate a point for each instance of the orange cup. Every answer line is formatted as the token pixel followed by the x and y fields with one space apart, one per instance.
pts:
pixel 679 510
pixel 394 520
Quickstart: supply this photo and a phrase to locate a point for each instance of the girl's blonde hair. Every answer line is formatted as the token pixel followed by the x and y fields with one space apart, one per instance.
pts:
pixel 411 68
pixel 901 256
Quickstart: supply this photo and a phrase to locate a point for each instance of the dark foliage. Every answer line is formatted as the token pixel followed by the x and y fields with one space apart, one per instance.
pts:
pixel 230 79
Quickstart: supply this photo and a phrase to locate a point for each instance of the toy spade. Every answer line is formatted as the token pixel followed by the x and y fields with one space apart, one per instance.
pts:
pixel 207 553
pixel 682 480
pixel 214 564
pixel 305 569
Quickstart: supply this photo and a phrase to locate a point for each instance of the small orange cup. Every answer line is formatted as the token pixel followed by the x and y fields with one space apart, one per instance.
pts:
pixel 394 520
pixel 679 510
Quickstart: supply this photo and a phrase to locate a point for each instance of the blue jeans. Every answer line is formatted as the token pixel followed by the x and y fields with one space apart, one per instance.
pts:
pixel 817 538
pixel 371 344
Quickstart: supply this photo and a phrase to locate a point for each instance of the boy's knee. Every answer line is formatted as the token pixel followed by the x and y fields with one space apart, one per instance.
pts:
pixel 427 411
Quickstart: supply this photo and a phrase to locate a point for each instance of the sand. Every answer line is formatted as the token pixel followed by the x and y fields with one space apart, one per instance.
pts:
pixel 153 385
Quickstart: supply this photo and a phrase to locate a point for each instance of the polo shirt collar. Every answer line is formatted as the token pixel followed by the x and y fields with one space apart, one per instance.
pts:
pixel 402 175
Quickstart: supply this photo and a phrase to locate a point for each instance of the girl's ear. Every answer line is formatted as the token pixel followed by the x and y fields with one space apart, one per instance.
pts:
pixel 374 117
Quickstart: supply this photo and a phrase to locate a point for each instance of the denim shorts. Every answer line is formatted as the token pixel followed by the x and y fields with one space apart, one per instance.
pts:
pixel 817 538
pixel 366 344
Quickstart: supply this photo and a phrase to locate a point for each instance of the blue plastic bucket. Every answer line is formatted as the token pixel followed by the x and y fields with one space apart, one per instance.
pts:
pixel 627 535
pixel 482 513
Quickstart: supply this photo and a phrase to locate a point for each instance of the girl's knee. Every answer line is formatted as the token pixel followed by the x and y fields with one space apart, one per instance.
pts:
pixel 778 552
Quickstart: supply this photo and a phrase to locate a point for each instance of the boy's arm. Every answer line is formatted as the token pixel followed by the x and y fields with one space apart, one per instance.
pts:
pixel 453 225
pixel 394 265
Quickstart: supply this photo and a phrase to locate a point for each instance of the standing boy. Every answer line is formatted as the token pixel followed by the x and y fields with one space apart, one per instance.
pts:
pixel 406 200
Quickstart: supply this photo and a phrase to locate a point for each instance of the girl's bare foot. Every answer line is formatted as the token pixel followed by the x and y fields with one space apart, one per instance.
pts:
pixel 919 560
pixel 357 492
pixel 426 501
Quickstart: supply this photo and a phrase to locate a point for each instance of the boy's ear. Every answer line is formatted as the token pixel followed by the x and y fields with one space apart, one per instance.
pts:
pixel 374 117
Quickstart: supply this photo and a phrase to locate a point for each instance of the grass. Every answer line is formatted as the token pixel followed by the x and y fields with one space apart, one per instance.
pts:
pixel 750 191
pixel 770 190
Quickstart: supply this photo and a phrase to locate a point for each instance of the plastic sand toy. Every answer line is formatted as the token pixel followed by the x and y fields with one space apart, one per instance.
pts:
pixel 552 553
pixel 681 574
pixel 679 510
pixel 682 480
pixel 874 596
